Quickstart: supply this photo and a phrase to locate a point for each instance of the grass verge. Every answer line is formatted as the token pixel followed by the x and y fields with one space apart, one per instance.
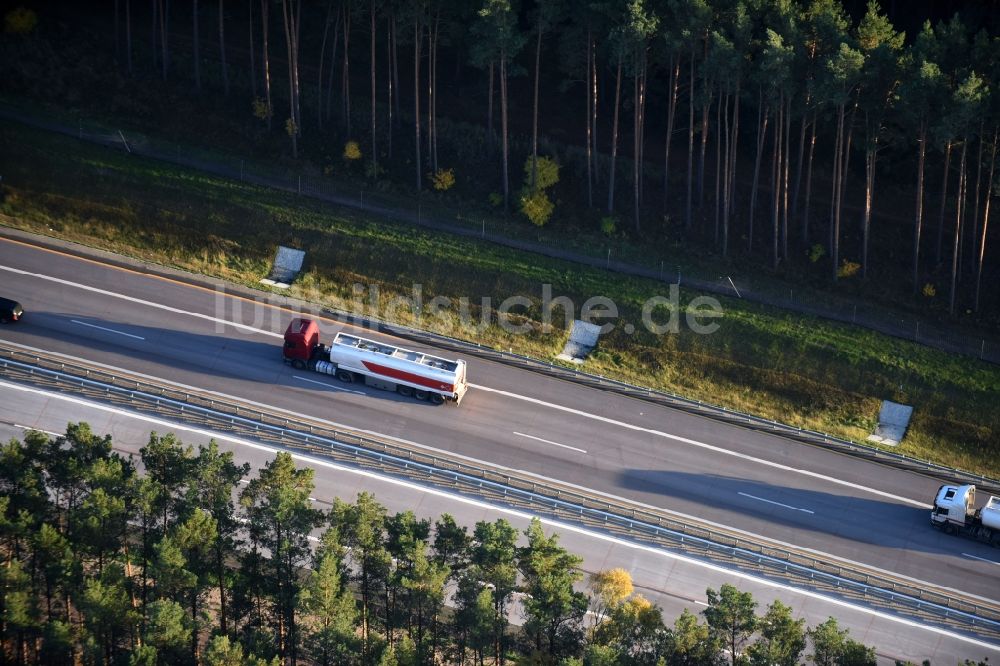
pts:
pixel 800 370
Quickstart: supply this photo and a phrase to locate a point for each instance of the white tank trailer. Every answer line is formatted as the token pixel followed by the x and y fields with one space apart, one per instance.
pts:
pixel 352 358
pixel 955 512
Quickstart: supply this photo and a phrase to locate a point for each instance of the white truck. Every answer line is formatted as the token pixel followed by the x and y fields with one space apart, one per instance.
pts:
pixel 352 358
pixel 955 512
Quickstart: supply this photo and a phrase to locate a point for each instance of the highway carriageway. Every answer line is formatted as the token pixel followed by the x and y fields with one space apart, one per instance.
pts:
pixel 622 518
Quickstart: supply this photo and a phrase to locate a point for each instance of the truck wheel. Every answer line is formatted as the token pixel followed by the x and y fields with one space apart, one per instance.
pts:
pixel 298 364
pixel 437 398
pixel 404 390
pixel 420 395
pixel 345 376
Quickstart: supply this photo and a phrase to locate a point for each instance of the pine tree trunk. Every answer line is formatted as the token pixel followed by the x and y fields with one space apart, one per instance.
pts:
pixel 688 213
pixel 154 35
pixel 534 106
pixel 806 207
pixel 590 156
pixel 416 96
pixel 128 37
pixel 706 104
pixel 164 32
pixel 322 61
pixel 960 204
pixel 974 228
pixel 430 98
pixel 391 99
pixel 593 110
pixel 267 60
pixel 286 12
pixel 345 74
pixel 835 192
pixel 328 112
pixel 195 44
pixel 434 70
pixel 944 201
pixel 614 137
pixel 798 167
pixel 867 217
pixel 640 94
pixel 504 131
pixel 844 171
pixel 222 47
pixel 919 215
pixel 489 112
pixel 253 60
pixel 675 76
pixel 731 179
pixel 763 112
pixel 374 92
pixel 718 165
pixel 986 216
pixel 395 72
pixel 784 183
pixel 776 180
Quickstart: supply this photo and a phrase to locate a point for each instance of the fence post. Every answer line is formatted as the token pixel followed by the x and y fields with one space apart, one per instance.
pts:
pixel 300 184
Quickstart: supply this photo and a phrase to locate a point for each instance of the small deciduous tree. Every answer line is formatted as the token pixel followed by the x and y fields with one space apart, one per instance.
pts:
pixel 730 616
pixel 782 638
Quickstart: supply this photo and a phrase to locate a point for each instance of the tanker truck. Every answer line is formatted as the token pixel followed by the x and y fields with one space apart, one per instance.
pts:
pixel 955 512
pixel 351 358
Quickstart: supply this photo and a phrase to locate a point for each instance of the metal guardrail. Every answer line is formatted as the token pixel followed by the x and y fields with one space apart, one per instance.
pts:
pixel 675 401
pixel 599 382
pixel 620 517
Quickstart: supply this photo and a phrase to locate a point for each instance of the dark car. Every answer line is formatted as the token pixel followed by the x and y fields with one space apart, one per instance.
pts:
pixel 10 310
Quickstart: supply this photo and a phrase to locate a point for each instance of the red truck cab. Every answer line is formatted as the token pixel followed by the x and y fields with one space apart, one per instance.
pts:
pixel 301 340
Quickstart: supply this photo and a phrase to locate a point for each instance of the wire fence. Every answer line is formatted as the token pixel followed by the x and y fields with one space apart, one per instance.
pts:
pixel 431 214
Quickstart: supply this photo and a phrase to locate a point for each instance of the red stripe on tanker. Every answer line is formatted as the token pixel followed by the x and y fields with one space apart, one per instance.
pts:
pixel 404 376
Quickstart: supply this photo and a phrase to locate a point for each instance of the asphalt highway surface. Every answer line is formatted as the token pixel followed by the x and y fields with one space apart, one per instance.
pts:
pixel 766 485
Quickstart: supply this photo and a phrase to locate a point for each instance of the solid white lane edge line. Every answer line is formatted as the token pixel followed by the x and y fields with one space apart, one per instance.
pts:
pixel 24 427
pixel 105 328
pixel 519 514
pixel 787 506
pixel 547 441
pixel 981 559
pixel 329 386
pixel 604 419
pixel 703 445
pixel 133 299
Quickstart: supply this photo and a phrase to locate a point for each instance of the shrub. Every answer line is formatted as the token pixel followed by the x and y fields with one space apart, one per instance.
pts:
pixel 259 107
pixel 352 151
pixel 496 199
pixel 817 252
pixel 291 129
pixel 536 207
pixel 548 173
pixel 929 290
pixel 20 21
pixel 443 179
pixel 848 269
pixel 608 225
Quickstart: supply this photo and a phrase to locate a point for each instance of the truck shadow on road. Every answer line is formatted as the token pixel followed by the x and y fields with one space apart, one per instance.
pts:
pixel 250 364
pixel 803 517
